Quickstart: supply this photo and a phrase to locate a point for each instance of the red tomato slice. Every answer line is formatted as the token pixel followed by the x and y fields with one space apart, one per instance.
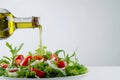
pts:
pixel 54 56
pixel 37 57
pixel 4 65
pixel 38 72
pixel 61 64
pixel 25 61
pixel 14 70
pixel 19 59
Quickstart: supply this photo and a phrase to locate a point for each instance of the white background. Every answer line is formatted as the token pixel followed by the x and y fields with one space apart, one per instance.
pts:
pixel 89 27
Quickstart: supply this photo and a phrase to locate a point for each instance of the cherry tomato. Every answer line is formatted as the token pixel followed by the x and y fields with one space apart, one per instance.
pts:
pixel 54 56
pixel 61 64
pixel 38 72
pixel 26 60
pixel 19 59
pixel 4 65
pixel 37 57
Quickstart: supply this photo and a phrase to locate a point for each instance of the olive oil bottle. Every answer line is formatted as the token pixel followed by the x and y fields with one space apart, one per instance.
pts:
pixel 9 23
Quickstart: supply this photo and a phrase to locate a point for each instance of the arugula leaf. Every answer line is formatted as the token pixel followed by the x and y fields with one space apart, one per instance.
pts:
pixel 59 51
pixel 14 51
pixel 7 58
pixel 4 61
pixel 68 58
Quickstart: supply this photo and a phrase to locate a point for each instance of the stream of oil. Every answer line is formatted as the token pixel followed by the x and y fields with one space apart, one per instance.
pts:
pixel 40 34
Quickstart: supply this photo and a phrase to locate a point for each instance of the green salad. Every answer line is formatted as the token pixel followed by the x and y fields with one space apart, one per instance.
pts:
pixel 40 64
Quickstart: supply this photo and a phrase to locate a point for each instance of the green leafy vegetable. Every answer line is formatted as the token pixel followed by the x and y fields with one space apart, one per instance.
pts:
pixel 14 52
pixel 2 71
pixel 75 69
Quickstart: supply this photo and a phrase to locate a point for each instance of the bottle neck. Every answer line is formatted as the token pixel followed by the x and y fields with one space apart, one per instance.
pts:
pixel 28 22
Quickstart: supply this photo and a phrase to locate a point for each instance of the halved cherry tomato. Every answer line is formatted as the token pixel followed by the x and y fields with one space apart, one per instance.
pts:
pixel 37 57
pixel 4 65
pixel 26 60
pixel 38 72
pixel 14 70
pixel 54 56
pixel 61 64
pixel 19 59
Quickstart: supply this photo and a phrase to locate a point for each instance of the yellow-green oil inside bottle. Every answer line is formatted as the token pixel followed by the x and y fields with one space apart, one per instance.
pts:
pixel 7 25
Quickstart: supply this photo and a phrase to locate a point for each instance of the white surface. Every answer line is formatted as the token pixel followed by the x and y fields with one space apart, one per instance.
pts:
pixel 95 73
pixel 90 27
pixel 103 73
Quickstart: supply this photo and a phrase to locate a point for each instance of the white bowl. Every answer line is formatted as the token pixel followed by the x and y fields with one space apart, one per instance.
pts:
pixel 79 77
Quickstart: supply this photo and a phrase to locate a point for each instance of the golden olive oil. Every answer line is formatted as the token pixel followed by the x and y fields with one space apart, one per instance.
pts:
pixel 6 25
pixel 40 34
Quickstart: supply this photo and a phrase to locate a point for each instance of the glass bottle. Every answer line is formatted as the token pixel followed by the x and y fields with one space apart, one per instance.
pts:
pixel 9 23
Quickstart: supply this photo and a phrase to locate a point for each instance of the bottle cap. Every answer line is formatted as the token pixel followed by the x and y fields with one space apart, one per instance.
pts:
pixel 35 21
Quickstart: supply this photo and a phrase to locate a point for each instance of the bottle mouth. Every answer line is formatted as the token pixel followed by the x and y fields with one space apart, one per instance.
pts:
pixel 2 10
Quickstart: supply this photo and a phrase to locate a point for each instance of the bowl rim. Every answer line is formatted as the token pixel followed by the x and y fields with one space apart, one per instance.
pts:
pixel 82 75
